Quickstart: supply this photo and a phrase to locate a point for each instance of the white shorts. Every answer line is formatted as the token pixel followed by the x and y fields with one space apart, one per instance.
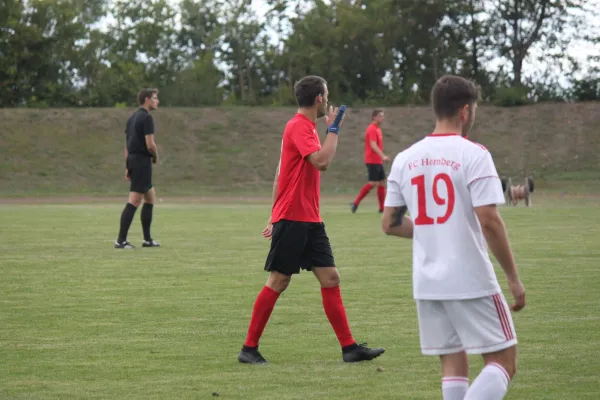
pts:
pixel 476 326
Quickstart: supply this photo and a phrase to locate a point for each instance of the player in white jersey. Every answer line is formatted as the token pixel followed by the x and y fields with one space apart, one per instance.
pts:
pixel 450 187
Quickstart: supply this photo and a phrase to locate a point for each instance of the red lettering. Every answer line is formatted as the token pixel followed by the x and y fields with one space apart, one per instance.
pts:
pixel 422 217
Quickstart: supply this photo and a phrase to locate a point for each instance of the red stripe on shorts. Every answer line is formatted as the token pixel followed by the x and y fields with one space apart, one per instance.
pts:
pixel 502 316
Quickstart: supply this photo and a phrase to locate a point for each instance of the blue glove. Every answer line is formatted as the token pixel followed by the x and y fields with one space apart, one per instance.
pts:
pixel 335 126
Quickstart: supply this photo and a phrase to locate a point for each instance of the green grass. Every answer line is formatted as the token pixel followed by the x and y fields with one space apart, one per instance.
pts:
pixel 81 320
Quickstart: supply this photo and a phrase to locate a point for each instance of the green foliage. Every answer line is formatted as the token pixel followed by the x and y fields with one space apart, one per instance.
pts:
pixel 511 97
pixel 586 89
pixel 210 52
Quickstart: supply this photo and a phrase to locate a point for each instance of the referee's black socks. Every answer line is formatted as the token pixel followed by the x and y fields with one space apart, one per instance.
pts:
pixel 126 218
pixel 147 220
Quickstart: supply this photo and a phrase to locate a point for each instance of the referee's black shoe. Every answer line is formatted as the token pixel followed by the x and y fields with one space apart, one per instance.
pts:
pixel 123 245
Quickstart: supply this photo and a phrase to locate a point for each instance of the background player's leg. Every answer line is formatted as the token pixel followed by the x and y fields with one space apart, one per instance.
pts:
pixel 127 215
pixel 455 372
pixel 365 189
pixel 146 217
pixel 381 194
pixel 362 194
pixel 493 381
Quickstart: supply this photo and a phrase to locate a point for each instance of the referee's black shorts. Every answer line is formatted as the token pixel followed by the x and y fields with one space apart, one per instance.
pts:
pixel 140 172
pixel 298 245
pixel 375 172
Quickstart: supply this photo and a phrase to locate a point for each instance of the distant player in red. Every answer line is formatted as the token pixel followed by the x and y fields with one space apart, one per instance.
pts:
pixel 297 231
pixel 374 158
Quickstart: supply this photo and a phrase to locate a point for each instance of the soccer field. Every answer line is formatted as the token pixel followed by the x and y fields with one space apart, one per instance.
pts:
pixel 81 320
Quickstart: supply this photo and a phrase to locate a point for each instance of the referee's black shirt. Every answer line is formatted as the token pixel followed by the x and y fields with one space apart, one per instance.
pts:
pixel 139 125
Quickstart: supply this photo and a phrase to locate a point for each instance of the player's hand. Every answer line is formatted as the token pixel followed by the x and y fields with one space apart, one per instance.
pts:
pixel 330 117
pixel 154 159
pixel 518 291
pixel 127 174
pixel 268 231
pixel 386 158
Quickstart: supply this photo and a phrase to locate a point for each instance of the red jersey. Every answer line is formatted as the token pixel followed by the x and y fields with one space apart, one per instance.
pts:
pixel 373 134
pixel 299 182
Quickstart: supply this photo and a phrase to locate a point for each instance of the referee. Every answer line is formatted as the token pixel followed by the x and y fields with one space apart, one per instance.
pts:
pixel 140 153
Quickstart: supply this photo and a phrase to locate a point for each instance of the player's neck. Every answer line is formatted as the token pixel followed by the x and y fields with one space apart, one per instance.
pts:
pixel 447 127
pixel 145 107
pixel 310 113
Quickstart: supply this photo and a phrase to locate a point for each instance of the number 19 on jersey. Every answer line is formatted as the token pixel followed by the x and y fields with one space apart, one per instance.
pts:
pixel 423 218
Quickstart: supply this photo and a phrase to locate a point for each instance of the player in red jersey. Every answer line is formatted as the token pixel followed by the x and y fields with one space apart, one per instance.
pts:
pixel 296 230
pixel 374 158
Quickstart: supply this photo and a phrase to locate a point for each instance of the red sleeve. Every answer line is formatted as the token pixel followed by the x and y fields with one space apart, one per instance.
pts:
pixel 305 139
pixel 371 135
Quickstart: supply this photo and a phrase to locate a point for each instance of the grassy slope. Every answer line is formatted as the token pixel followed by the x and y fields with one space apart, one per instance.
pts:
pixel 235 150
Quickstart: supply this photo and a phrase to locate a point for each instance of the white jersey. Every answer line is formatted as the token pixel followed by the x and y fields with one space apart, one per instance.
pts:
pixel 441 179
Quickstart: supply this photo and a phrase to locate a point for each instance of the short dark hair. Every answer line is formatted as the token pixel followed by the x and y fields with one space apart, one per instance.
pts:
pixel 145 94
pixel 307 89
pixel 450 93
pixel 376 112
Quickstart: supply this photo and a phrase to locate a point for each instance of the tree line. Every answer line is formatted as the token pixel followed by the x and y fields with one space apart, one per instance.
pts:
pixel 98 53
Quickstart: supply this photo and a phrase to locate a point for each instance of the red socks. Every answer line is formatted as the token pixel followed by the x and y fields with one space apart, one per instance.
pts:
pixel 336 313
pixel 363 192
pixel 332 303
pixel 263 306
pixel 381 196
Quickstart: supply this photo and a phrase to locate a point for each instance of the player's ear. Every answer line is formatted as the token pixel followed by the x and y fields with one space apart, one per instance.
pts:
pixel 464 113
pixel 319 100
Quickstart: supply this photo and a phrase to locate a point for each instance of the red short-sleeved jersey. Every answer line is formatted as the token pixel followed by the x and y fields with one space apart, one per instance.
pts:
pixel 299 182
pixel 373 134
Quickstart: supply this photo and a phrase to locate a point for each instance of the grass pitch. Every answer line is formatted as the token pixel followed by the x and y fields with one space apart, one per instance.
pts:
pixel 81 320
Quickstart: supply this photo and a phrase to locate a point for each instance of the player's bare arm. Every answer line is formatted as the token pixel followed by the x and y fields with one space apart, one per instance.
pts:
pixel 322 158
pixel 496 236
pixel 395 223
pixel 126 170
pixel 152 148
pixel 378 151
pixel 268 231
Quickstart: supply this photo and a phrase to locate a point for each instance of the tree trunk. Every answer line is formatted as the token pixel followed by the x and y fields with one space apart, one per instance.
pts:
pixel 250 86
pixel 517 68
pixel 241 83
pixel 474 49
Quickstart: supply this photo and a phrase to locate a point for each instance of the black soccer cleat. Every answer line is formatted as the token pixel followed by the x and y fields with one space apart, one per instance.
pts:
pixel 360 352
pixel 353 208
pixel 251 356
pixel 150 243
pixel 123 245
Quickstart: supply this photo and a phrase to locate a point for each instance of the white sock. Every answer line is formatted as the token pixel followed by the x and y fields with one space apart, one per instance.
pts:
pixel 454 387
pixel 491 384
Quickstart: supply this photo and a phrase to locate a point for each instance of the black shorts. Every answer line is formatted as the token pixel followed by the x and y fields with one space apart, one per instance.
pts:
pixel 296 245
pixel 376 172
pixel 140 172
